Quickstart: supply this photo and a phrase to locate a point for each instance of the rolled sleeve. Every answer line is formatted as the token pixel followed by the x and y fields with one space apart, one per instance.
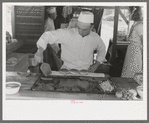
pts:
pixel 101 50
pixel 51 37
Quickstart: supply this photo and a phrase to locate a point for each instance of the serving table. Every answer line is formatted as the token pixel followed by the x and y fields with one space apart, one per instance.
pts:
pixel 25 92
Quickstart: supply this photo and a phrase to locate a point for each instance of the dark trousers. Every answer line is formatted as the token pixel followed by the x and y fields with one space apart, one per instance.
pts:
pixel 52 58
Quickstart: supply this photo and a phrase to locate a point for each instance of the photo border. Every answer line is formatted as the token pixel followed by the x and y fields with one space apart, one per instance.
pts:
pixel 76 1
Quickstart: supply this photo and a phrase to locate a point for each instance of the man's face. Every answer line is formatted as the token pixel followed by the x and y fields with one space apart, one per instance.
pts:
pixel 53 15
pixel 84 29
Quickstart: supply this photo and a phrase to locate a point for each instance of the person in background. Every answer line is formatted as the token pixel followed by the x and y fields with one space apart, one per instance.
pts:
pixel 133 62
pixel 67 13
pixel 59 18
pixel 73 23
pixel 49 25
pixel 77 45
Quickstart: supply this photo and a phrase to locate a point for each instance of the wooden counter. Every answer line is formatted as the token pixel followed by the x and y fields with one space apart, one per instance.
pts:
pixel 25 92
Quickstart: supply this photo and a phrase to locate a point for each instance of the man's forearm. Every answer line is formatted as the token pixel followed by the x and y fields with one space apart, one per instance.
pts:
pixel 40 49
pixel 97 63
pixel 94 66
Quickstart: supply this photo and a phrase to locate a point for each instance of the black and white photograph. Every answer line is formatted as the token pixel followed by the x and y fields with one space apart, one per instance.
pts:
pixel 87 56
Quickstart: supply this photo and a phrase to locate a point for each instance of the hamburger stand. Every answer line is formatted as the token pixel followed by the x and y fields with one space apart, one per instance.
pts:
pixel 30 79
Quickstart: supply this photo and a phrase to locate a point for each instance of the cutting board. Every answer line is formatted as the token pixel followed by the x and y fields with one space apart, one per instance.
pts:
pixel 58 74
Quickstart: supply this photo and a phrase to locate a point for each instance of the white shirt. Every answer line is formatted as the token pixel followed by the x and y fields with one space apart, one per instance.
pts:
pixel 77 51
pixel 49 25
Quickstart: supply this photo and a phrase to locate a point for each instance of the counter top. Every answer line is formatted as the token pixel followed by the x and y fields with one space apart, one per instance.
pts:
pixel 25 92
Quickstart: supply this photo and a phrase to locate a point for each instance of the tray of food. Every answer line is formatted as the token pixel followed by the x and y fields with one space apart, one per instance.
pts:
pixel 98 85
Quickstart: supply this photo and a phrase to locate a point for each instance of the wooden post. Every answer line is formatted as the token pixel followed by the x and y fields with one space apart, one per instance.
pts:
pixel 115 34
pixel 42 21
pixel 128 27
pixel 123 16
pixel 13 21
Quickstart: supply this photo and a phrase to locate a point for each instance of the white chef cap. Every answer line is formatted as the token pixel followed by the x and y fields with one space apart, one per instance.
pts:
pixel 51 10
pixel 86 17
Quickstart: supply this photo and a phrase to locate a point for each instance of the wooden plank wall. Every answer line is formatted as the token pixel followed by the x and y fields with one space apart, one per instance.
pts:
pixel 29 23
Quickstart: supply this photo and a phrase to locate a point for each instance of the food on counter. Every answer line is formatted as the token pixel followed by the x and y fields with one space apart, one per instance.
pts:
pixel 70 85
pixel 106 86
pixel 12 60
pixel 46 69
pixel 83 84
pixel 89 79
pixel 138 77
pixel 75 89
pixel 49 87
pixel 74 71
pixel 83 72
pixel 60 89
pixel 119 94
pixel 133 92
pixel 90 89
pixel 93 87
pixel 44 87
pixel 44 78
pixel 140 91
pixel 24 74
pixel 55 81
pixel 96 90
pixel 67 89
pixel 126 94
pixel 64 71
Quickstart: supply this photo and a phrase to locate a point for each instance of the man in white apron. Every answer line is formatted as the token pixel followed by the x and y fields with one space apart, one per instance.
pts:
pixel 77 45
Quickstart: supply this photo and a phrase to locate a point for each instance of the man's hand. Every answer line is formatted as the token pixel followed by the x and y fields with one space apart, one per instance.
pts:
pixel 38 56
pixel 93 67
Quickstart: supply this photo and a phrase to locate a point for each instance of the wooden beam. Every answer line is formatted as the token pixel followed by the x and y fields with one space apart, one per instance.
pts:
pixel 13 21
pixel 110 7
pixel 99 24
pixel 128 27
pixel 102 7
pixel 115 34
pixel 123 16
pixel 42 21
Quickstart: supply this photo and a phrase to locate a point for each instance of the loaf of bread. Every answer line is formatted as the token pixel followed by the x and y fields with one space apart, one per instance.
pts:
pixel 63 71
pixel 74 71
pixel 83 72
